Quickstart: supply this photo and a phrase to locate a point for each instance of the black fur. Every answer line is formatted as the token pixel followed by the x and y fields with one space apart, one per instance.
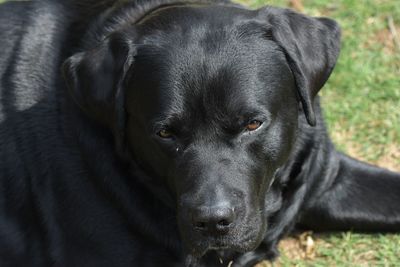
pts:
pixel 137 153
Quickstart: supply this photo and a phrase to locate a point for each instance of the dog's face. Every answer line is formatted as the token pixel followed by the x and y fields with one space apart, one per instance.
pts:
pixel 210 113
pixel 213 113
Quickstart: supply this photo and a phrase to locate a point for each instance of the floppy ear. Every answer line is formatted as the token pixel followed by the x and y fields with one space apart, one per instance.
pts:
pixel 95 80
pixel 311 46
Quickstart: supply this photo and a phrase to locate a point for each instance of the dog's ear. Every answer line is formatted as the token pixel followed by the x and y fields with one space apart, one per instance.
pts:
pixel 95 80
pixel 311 46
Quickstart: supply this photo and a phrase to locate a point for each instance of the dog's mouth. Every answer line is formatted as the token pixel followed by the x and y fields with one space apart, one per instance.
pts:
pixel 232 243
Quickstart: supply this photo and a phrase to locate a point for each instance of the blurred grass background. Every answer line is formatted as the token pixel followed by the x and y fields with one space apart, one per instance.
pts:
pixel 361 103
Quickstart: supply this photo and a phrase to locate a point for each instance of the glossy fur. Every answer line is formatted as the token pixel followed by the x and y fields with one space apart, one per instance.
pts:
pixel 86 87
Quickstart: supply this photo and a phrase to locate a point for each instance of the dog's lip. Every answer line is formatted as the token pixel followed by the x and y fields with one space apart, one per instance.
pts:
pixel 247 243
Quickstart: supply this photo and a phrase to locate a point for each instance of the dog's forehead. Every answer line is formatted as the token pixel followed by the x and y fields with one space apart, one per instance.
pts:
pixel 196 13
pixel 186 24
pixel 208 58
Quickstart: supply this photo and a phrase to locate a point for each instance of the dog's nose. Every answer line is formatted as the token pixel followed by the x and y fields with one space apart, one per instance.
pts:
pixel 214 220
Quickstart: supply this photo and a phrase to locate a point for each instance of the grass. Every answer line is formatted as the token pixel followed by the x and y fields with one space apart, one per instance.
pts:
pixel 361 104
pixel 342 249
pixel 362 108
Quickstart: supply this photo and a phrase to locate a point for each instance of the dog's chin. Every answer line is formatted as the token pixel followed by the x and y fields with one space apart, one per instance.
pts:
pixel 241 244
pixel 246 236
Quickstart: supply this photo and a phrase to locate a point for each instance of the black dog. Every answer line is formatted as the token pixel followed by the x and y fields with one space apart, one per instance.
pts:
pixel 190 134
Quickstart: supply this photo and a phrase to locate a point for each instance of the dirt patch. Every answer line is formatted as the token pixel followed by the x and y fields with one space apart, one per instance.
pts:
pixel 392 153
pixel 390 158
pixel 387 37
pixel 297 5
pixel 298 247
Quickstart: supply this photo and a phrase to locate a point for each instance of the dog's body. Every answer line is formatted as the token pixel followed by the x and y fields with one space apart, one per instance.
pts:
pixel 85 186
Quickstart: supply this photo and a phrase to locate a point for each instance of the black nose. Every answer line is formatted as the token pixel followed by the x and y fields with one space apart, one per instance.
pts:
pixel 214 220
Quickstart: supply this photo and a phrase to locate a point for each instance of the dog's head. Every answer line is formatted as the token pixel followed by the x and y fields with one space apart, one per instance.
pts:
pixel 205 99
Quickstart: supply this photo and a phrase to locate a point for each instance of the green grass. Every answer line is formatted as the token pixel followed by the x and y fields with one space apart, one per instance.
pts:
pixel 349 249
pixel 361 104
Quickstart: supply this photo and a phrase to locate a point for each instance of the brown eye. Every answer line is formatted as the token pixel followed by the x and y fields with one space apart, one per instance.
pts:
pixel 253 125
pixel 164 134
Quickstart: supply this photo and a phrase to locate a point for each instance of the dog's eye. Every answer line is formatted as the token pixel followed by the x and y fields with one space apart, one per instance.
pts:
pixel 164 133
pixel 253 125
